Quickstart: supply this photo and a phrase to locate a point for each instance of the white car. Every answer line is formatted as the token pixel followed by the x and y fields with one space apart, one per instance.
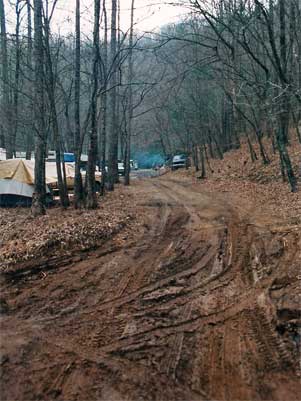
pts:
pixel 134 165
pixel 179 161
pixel 121 170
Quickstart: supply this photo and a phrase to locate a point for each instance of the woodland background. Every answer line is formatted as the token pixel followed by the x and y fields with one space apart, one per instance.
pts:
pixel 227 74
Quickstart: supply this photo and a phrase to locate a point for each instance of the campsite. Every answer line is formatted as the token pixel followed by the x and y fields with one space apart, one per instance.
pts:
pixel 17 181
pixel 150 200
pixel 163 264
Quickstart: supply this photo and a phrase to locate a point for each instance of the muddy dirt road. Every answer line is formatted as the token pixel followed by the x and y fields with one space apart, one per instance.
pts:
pixel 202 304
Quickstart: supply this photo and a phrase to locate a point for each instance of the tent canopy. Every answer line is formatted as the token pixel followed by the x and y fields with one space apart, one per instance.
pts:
pixel 23 171
pixel 18 170
pixel 17 180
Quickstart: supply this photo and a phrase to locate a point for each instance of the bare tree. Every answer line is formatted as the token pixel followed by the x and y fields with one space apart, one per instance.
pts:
pixel 29 136
pixel 113 134
pixel 92 154
pixel 50 85
pixel 6 124
pixel 103 102
pixel 78 186
pixel 127 164
pixel 39 197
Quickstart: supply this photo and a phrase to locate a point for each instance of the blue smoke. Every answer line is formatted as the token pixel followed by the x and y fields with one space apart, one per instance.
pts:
pixel 148 160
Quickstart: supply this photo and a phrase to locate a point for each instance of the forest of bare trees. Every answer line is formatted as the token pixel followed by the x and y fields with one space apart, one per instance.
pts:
pixel 228 72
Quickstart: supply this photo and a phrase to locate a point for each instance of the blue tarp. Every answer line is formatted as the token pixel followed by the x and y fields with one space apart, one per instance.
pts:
pixel 69 157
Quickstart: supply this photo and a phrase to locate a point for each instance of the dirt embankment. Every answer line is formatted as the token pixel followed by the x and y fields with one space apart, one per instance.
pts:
pixel 64 232
pixel 200 303
pixel 254 185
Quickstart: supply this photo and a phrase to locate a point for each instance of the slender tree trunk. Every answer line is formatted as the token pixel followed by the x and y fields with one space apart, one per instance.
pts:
pixel 209 137
pixel 251 149
pixel 118 122
pixel 113 134
pixel 271 136
pixel 218 148
pixel 207 159
pixel 203 166
pixel 78 185
pixel 17 76
pixel 195 158
pixel 29 133
pixel 39 197
pixel 53 115
pixel 103 100
pixel 264 156
pixel 163 146
pixel 91 201
pixel 282 168
pixel 297 127
pixel 130 116
pixel 282 133
pixel 6 117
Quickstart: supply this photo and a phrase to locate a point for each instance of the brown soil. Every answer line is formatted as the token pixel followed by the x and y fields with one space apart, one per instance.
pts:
pixel 257 185
pixel 62 232
pixel 200 303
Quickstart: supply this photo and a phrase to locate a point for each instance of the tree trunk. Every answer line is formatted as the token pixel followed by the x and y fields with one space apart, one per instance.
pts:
pixel 207 159
pixel 251 149
pixel 218 148
pixel 203 167
pixel 282 133
pixel 91 201
pixel 284 156
pixel 195 158
pixel 103 100
pixel 113 134
pixel 78 185
pixel 209 137
pixel 118 119
pixel 29 133
pixel 264 156
pixel 297 127
pixel 6 101
pixel 127 165
pixel 17 76
pixel 54 118
pixel 39 198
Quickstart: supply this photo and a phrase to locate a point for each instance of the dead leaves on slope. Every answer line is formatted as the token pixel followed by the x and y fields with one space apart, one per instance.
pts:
pixel 62 231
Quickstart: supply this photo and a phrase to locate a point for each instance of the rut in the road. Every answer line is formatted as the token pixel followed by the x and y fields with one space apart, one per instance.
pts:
pixel 185 313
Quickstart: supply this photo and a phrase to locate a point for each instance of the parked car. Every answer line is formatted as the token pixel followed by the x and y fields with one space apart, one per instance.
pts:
pixel 121 170
pixel 121 167
pixel 179 161
pixel 134 165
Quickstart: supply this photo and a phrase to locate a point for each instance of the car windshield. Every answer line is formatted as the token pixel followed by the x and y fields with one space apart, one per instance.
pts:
pixel 179 157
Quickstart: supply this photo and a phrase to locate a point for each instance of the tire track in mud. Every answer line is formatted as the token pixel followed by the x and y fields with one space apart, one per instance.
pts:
pixel 181 306
pixel 166 239
pixel 237 253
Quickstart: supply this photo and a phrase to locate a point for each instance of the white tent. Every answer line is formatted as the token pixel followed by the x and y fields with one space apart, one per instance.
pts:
pixel 14 187
pixel 17 180
pixel 2 154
